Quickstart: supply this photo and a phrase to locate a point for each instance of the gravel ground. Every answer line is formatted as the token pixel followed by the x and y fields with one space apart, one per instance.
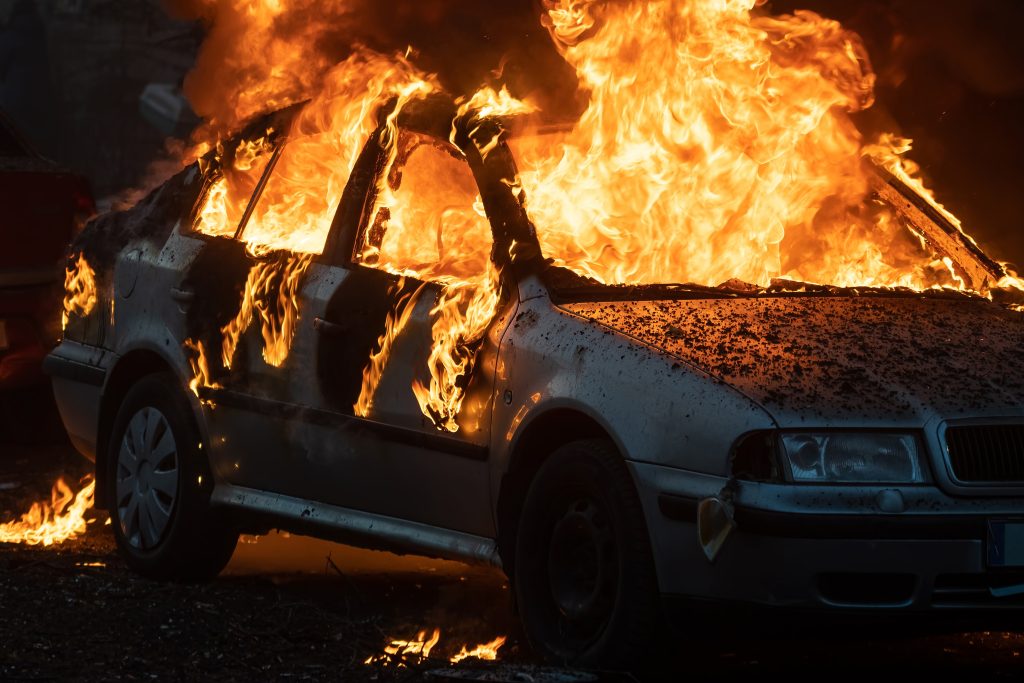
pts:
pixel 295 609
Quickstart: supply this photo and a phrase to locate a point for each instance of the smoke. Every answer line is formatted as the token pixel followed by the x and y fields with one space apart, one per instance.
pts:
pixel 261 55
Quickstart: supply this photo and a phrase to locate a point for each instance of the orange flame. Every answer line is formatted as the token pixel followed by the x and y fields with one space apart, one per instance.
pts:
pixel 717 143
pixel 202 375
pixel 396 322
pixel 295 210
pixel 49 523
pixel 79 290
pixel 487 651
pixel 438 191
pixel 420 647
pixel 464 312
pixel 272 293
pixel 416 649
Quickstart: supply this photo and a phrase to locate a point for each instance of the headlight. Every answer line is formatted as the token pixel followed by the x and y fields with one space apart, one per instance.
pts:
pixel 853 457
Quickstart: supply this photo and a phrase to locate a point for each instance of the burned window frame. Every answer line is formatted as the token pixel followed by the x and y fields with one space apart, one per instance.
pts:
pixel 515 248
pixel 274 127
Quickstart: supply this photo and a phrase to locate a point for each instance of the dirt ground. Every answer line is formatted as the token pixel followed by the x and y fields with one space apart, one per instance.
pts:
pixel 289 608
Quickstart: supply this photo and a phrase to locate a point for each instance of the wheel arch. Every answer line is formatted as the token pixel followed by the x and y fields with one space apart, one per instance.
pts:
pixel 129 369
pixel 536 440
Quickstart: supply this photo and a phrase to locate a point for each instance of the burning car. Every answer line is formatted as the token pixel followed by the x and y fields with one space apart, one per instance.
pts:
pixel 614 444
pixel 346 320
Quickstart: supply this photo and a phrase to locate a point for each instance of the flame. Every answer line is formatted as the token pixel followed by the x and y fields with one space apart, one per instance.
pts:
pixel 463 313
pixel 487 651
pixel 396 322
pixel 49 523
pixel 226 199
pixel 418 648
pixel 439 192
pixel 202 376
pixel 717 143
pixel 272 293
pixel 296 208
pixel 79 290
pixel 488 102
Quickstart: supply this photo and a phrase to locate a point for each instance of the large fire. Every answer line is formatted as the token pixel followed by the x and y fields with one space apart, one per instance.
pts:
pixel 53 521
pixel 717 144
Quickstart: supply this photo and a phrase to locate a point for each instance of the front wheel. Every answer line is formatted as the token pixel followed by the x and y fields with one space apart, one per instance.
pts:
pixel 159 487
pixel 584 576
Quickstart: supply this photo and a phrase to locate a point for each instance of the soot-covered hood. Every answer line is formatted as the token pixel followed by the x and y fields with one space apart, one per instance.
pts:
pixel 833 359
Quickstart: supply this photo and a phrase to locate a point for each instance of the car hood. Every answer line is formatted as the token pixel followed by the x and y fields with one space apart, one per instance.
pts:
pixel 841 360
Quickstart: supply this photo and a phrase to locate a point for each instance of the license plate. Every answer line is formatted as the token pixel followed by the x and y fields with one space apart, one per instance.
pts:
pixel 1005 543
pixel 3 335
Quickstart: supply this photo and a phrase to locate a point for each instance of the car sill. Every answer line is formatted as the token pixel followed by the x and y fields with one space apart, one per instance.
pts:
pixel 287 411
pixel 380 530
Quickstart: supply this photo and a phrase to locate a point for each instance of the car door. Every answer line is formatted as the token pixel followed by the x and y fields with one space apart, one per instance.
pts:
pixel 360 435
pixel 230 296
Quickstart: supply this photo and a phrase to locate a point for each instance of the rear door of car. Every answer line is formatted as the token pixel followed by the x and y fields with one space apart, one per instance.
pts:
pixel 214 287
pixel 360 436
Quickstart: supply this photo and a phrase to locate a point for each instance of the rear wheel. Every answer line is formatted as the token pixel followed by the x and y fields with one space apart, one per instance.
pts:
pixel 584 575
pixel 159 487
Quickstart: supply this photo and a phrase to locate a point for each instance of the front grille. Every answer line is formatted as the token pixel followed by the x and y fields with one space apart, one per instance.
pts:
pixel 987 454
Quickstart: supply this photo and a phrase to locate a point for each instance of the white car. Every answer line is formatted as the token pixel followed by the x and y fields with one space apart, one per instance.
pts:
pixel 618 451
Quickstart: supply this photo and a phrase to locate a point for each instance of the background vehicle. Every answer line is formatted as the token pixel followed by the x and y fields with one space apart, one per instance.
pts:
pixel 619 449
pixel 44 207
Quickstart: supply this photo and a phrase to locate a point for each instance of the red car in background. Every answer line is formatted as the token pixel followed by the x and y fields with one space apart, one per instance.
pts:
pixel 43 206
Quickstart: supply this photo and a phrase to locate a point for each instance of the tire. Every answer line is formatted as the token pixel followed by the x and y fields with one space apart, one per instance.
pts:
pixel 159 486
pixel 584 577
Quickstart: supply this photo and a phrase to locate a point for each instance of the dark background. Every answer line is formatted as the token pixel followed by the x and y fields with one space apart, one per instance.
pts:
pixel 951 76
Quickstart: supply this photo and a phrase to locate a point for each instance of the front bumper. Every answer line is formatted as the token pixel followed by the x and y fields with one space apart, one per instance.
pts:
pixel 830 547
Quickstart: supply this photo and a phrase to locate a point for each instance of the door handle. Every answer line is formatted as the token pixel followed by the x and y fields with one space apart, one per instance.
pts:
pixel 183 296
pixel 329 329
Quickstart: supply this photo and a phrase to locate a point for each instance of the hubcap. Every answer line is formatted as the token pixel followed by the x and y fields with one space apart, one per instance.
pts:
pixel 582 567
pixel 147 478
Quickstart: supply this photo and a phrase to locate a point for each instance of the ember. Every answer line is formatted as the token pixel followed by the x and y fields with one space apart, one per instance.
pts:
pixel 487 651
pixel 419 649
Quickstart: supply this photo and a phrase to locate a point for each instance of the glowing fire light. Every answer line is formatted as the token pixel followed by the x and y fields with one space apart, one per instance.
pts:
pixel 202 376
pixel 271 293
pixel 487 651
pixel 420 647
pixel 717 144
pixel 396 322
pixel 56 521
pixel 79 290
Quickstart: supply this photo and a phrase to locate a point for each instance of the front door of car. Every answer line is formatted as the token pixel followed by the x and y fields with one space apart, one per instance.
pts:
pixel 401 341
pixel 261 226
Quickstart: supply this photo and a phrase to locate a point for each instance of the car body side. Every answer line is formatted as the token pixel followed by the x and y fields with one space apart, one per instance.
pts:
pixel 554 376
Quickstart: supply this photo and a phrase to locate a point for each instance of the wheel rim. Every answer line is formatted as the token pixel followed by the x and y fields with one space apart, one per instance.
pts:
pixel 582 569
pixel 147 478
